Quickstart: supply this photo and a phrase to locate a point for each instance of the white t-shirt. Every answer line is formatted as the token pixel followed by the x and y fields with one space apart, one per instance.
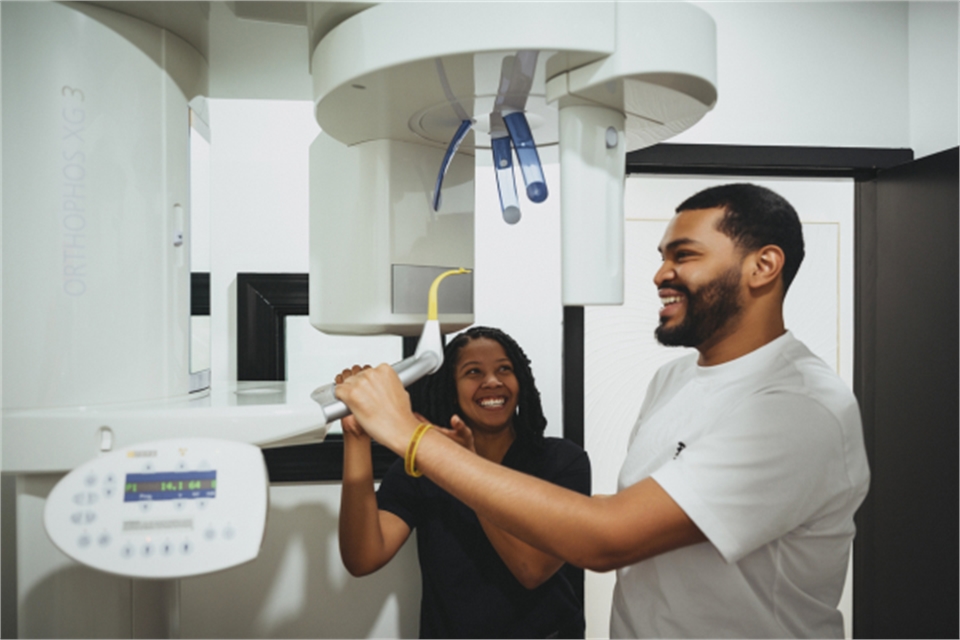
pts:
pixel 765 454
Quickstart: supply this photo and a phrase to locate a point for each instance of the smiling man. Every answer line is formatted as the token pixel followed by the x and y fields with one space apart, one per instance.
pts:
pixel 734 511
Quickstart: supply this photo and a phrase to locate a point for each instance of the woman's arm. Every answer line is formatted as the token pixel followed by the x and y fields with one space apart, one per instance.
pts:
pixel 369 537
pixel 530 566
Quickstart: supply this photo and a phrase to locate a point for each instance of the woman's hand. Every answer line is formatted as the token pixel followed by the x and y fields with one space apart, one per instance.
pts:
pixel 349 423
pixel 459 432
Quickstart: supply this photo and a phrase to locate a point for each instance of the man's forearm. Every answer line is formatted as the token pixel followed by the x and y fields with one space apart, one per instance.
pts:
pixel 535 511
pixel 599 533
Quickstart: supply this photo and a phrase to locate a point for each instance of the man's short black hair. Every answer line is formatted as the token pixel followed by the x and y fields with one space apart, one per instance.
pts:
pixel 755 217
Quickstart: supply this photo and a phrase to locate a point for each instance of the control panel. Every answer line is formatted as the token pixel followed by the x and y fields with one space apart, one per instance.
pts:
pixel 164 509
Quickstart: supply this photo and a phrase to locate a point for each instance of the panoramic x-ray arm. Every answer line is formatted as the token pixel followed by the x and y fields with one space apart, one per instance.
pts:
pixel 427 359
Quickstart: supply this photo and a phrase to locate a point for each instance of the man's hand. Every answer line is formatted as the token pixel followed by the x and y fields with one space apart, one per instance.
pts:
pixel 381 405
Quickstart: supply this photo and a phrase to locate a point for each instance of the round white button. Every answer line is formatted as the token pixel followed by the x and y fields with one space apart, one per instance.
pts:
pixel 612 138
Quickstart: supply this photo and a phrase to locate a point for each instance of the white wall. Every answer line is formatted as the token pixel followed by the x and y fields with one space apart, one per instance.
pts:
pixel 933 76
pixel 809 73
pixel 839 74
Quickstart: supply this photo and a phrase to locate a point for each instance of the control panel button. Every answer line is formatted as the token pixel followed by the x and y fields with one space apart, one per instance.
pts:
pixel 104 539
pixel 127 550
pixel 92 498
pixel 186 547
pixel 76 517
pixel 147 549
pixel 91 479
pixel 89 516
pixel 166 548
pixel 83 541
pixel 210 533
pixel 80 498
pixel 229 532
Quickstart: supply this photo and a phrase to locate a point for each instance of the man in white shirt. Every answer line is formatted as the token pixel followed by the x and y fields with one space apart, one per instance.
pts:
pixel 734 514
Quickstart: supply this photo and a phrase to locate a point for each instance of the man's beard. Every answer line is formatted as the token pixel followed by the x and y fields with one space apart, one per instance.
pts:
pixel 708 311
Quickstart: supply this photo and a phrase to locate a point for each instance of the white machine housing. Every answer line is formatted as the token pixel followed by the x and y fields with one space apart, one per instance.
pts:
pixel 96 249
pixel 610 77
pixel 165 509
pixel 376 244
pixel 96 207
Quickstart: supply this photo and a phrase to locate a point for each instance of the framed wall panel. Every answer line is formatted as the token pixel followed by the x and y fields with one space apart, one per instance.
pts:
pixel 264 301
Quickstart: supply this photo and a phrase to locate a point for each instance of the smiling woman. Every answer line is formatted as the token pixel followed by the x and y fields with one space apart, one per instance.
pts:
pixel 478 581
pixel 487 383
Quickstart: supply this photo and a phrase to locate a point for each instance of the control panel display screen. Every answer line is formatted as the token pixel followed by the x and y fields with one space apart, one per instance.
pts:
pixel 170 485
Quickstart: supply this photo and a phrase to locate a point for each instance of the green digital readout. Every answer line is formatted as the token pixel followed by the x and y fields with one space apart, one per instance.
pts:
pixel 170 485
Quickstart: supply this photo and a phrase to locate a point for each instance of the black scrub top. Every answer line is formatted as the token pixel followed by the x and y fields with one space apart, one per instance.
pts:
pixel 468 591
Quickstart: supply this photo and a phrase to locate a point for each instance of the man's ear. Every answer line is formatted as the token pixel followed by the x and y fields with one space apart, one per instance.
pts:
pixel 765 266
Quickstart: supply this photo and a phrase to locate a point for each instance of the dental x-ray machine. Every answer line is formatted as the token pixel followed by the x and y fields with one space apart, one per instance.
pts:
pixel 97 204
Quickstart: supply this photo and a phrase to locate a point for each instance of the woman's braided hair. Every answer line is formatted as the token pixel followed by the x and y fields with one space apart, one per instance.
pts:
pixel 435 397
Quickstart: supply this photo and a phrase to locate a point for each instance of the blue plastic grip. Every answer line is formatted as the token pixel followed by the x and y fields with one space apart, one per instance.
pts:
pixel 448 158
pixel 527 155
pixel 503 169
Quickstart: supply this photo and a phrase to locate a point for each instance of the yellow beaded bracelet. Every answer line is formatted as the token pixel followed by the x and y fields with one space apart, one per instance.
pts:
pixel 410 460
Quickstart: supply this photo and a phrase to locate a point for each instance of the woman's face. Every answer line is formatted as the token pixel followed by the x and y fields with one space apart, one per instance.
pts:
pixel 487 388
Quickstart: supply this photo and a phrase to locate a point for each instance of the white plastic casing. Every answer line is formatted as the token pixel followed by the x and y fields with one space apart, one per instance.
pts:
pixel 647 69
pixel 102 514
pixel 95 197
pixel 591 192
pixel 370 212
